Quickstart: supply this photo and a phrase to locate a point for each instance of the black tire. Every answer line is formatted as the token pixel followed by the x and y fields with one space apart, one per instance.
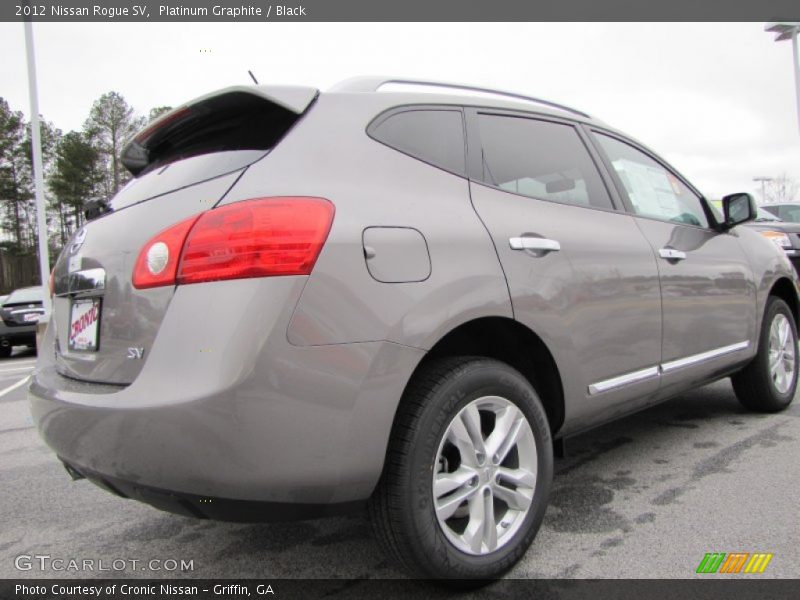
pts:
pixel 402 506
pixel 754 384
pixel 5 351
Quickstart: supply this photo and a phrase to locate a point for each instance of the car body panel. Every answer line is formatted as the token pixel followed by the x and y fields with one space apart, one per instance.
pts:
pixel 708 298
pixel 130 317
pixel 595 303
pixel 224 406
pixel 342 302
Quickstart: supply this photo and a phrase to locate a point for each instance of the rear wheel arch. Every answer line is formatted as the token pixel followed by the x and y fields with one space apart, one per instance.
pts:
pixel 513 343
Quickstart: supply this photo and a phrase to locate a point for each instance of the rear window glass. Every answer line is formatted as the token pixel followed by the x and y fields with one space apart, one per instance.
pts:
pixel 215 136
pixel 181 174
pixel 25 295
pixel 539 159
pixel 433 136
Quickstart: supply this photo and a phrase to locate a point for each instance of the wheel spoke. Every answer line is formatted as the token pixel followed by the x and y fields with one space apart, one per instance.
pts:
pixel 446 507
pixel 489 525
pixel 774 365
pixel 460 438
pixel 447 482
pixel 779 376
pixel 506 432
pixel 519 499
pixel 473 534
pixel 784 332
pixel 517 477
pixel 472 423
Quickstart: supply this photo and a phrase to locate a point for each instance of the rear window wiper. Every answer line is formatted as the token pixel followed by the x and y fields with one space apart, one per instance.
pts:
pixel 95 209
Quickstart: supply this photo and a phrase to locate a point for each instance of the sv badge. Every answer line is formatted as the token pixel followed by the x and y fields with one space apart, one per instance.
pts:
pixel 135 353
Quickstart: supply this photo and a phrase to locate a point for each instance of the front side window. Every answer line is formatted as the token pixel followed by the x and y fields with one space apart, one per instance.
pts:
pixel 540 159
pixel 652 190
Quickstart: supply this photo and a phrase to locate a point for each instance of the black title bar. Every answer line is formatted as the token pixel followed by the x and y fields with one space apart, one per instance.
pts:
pixel 745 587
pixel 400 10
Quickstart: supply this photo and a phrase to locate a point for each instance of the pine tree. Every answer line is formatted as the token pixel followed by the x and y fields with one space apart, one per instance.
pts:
pixel 15 174
pixel 75 180
pixel 111 123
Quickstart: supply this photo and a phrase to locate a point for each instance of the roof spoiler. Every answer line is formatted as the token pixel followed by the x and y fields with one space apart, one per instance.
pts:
pixel 241 103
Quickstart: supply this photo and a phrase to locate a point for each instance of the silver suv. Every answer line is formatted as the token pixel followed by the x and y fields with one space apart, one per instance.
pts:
pixel 305 303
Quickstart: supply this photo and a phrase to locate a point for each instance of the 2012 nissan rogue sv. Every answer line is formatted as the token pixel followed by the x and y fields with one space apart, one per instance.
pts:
pixel 307 302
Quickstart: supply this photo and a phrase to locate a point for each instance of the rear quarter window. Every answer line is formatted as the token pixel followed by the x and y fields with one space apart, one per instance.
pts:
pixel 435 136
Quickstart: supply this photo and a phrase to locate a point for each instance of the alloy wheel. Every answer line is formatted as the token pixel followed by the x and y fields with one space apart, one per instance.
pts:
pixel 485 475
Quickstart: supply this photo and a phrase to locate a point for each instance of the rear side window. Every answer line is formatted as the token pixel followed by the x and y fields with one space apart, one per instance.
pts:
pixel 539 159
pixel 431 135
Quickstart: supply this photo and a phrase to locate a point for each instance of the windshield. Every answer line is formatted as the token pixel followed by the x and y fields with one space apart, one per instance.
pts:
pixel 32 294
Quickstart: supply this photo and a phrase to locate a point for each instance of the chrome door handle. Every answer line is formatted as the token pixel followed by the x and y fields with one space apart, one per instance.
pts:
pixel 671 254
pixel 534 243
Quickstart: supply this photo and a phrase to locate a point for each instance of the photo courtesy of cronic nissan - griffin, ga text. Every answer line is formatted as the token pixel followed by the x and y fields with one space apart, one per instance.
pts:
pixel 393 295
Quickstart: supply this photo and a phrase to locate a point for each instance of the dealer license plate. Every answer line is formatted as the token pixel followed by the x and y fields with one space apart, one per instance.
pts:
pixel 84 326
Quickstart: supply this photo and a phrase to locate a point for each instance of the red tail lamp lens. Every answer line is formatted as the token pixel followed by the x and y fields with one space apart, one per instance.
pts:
pixel 263 237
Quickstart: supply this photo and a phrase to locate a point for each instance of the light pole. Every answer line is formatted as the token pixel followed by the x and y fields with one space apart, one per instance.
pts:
pixel 38 169
pixel 763 181
pixel 789 31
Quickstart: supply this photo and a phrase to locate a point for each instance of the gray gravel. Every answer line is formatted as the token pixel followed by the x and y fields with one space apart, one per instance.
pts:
pixel 644 497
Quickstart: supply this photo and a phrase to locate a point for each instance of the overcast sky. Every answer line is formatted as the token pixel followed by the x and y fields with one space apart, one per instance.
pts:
pixel 716 100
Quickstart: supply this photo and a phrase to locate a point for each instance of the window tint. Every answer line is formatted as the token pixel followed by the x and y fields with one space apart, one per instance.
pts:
pixel 539 159
pixel 773 210
pixel 435 136
pixel 790 213
pixel 652 189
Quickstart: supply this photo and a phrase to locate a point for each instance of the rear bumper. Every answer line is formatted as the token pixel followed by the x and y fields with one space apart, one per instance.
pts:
pixel 218 509
pixel 230 410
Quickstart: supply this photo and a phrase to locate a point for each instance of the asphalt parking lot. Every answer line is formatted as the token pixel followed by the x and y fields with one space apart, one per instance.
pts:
pixel 645 497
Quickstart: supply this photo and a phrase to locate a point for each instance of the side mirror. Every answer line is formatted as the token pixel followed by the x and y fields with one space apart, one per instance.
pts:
pixel 738 208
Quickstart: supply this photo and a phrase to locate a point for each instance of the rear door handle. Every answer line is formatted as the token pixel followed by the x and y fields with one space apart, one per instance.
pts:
pixel 534 243
pixel 671 254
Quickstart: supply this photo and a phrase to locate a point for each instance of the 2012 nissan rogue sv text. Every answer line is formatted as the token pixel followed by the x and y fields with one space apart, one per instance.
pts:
pixel 306 302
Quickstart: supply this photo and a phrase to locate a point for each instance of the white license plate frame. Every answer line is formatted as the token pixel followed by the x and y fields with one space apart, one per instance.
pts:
pixel 84 325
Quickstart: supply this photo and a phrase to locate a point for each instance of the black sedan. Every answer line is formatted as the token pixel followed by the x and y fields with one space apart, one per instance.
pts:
pixel 20 313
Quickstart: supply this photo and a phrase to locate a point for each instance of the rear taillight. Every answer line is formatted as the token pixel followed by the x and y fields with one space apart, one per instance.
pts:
pixel 263 237
pixel 51 282
pixel 157 263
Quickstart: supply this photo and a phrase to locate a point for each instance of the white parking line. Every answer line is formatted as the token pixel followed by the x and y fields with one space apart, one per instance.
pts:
pixel 11 388
pixel 22 368
pixel 16 363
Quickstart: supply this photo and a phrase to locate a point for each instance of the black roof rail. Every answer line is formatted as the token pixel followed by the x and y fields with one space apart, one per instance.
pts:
pixel 374 83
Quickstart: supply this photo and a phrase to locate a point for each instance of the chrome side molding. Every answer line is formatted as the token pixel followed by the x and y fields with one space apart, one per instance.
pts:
pixel 615 382
pixel 680 363
pixel 668 367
